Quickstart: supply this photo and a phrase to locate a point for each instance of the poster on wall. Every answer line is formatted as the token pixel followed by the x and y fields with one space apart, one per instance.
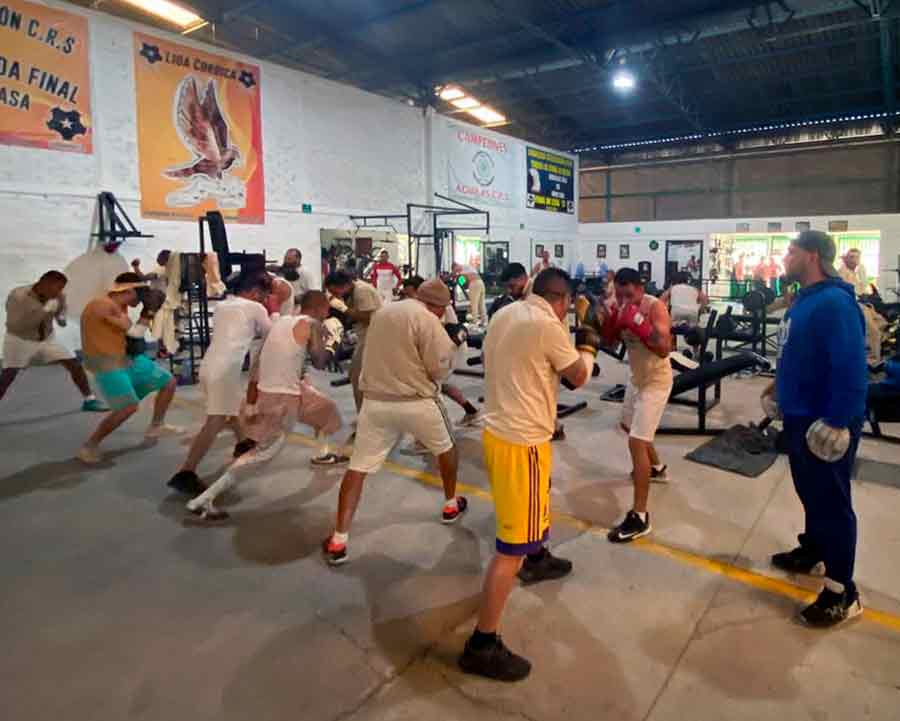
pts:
pixel 551 181
pixel 481 169
pixel 199 133
pixel 45 86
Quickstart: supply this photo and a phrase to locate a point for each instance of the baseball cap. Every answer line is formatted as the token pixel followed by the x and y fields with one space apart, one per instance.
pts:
pixel 823 244
pixel 434 292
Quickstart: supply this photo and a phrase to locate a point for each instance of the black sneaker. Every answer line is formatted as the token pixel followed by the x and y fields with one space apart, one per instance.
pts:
pixel 335 553
pixel 630 529
pixel 451 515
pixel 800 560
pixel 186 482
pixel 495 661
pixel 330 459
pixel 241 447
pixel 548 568
pixel 831 609
pixel 657 475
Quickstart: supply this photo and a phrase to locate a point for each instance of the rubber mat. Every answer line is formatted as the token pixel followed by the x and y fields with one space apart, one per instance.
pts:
pixel 741 449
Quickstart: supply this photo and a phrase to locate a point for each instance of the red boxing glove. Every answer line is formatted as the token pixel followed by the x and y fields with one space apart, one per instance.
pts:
pixel 633 320
pixel 610 329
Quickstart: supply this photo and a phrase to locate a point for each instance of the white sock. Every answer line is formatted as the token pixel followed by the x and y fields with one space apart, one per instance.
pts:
pixel 90 397
pixel 659 466
pixel 451 504
pixel 834 586
pixel 340 538
pixel 324 445
pixel 225 481
pixel 642 516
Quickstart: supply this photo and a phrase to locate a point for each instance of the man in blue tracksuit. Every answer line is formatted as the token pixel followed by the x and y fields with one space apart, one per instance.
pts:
pixel 820 392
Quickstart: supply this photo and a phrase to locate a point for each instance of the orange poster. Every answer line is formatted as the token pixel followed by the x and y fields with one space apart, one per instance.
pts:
pixel 45 86
pixel 199 133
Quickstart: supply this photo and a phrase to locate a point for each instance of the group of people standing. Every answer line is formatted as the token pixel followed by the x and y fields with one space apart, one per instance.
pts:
pixel 405 353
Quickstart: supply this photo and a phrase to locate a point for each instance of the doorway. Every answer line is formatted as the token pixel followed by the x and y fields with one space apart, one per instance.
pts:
pixel 684 256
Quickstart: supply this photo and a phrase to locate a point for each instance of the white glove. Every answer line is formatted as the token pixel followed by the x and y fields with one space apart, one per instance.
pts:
pixel 137 330
pixel 51 306
pixel 338 304
pixel 826 442
pixel 770 406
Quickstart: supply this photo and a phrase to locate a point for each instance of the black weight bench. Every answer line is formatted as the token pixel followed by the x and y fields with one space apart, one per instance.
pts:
pixel 882 406
pixel 702 379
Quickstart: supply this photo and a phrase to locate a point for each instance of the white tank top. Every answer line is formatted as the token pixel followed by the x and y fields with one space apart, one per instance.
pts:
pixel 281 360
pixel 647 369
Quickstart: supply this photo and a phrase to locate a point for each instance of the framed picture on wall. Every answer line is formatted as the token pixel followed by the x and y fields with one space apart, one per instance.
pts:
pixel 624 251
pixel 801 225
pixel 558 251
pixel 538 250
pixel 601 250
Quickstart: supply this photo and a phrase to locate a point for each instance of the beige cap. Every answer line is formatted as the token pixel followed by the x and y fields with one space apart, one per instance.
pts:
pixel 434 292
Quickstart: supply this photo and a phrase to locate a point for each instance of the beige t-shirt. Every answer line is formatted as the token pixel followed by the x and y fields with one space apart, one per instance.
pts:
pixel 365 297
pixel 858 278
pixel 648 370
pixel 525 350
pixel 408 353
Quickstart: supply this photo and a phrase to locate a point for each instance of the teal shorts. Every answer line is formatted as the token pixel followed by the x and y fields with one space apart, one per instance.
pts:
pixel 124 387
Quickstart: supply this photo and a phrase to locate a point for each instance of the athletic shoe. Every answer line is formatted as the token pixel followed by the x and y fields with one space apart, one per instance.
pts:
pixel 800 560
pixel 630 529
pixel 335 553
pixel 89 455
pixel 186 482
pixel 657 476
pixel 471 419
pixel 547 568
pixel 451 515
pixel 495 661
pixel 209 513
pixel 831 609
pixel 559 434
pixel 330 459
pixel 154 432
pixel 94 406
pixel 241 447
pixel 416 449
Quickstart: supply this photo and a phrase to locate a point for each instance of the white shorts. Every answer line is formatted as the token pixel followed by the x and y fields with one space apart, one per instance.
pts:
pixel 381 424
pixel 643 409
pixel 223 391
pixel 21 353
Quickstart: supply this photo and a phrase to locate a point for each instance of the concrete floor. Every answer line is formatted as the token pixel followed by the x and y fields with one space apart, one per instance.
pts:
pixel 114 606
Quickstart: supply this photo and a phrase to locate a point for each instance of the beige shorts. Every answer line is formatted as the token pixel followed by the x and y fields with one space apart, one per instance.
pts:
pixel 643 409
pixel 223 393
pixel 278 412
pixel 21 353
pixel 381 424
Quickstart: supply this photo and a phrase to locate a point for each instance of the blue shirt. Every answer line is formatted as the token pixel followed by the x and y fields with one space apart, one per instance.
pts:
pixel 822 370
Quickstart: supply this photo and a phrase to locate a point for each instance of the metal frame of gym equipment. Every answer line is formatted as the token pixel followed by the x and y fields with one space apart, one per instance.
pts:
pixel 438 233
pixel 114 223
pixel 701 404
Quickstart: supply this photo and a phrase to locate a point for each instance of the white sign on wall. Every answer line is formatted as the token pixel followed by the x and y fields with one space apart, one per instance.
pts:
pixel 481 168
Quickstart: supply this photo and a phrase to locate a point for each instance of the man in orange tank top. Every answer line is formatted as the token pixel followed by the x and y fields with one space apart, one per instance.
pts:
pixel 123 378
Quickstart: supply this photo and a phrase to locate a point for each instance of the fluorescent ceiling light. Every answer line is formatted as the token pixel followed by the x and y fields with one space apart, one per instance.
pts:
pixel 623 80
pixel 465 103
pixel 167 11
pixel 452 94
pixel 487 115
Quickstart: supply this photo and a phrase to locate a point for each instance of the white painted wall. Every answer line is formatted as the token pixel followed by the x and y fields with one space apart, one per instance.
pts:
pixel 520 226
pixel 338 148
pixel 613 234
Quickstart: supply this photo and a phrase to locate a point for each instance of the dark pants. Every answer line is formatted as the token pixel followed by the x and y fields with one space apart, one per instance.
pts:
pixel 824 490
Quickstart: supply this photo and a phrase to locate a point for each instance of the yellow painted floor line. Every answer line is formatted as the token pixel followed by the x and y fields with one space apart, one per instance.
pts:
pixel 759 581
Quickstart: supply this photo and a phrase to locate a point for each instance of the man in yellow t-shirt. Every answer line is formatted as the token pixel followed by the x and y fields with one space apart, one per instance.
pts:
pixel 528 350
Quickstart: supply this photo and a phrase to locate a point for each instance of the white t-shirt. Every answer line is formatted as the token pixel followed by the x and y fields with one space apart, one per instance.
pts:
pixel 236 322
pixel 281 359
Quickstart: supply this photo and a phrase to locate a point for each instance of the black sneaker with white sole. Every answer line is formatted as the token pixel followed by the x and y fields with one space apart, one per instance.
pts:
pixel 186 482
pixel 630 529
pixel 210 514
pixel 452 515
pixel 800 560
pixel 657 475
pixel 831 609
pixel 330 459
pixel 546 568
pixel 494 661
pixel 335 553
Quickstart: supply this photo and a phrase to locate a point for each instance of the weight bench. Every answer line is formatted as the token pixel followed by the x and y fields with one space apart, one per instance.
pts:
pixel 882 406
pixel 709 375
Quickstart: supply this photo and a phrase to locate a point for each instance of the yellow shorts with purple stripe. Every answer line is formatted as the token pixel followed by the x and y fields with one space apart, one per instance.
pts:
pixel 520 483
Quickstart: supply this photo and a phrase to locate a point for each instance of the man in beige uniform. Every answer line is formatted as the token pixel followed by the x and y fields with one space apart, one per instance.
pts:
pixel 475 290
pixel 527 352
pixel 643 322
pixel 408 354
pixel 852 271
pixel 360 300
pixel 30 340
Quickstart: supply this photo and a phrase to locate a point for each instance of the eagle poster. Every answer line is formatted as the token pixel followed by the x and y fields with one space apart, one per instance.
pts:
pixel 199 133
pixel 45 87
